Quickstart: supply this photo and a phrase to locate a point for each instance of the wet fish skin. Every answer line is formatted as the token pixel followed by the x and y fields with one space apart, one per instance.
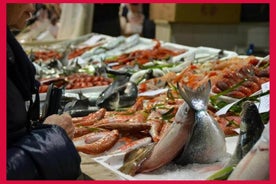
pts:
pixel 207 143
pixel 167 147
pixel 251 128
pixel 172 141
pixel 121 93
pixel 255 164
pixel 128 94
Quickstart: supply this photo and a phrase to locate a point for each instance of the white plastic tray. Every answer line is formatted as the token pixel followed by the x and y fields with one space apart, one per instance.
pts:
pixel 87 91
pixel 169 171
pixel 203 54
pixel 181 57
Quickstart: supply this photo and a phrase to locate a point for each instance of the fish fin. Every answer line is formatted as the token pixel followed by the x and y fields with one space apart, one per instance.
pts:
pixel 198 98
pixel 134 159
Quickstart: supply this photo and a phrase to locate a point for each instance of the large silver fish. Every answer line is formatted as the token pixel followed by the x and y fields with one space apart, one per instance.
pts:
pixel 207 144
pixel 177 136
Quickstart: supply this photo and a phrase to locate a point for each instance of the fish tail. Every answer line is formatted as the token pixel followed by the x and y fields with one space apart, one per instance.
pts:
pixel 198 98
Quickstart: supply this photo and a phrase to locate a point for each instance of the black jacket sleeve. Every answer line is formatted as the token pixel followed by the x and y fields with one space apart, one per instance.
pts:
pixel 15 164
pixel 45 153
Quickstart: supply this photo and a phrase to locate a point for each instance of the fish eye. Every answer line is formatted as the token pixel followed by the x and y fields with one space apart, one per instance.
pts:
pixel 186 109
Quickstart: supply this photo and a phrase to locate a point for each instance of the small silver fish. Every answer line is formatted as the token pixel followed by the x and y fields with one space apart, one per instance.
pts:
pixel 207 143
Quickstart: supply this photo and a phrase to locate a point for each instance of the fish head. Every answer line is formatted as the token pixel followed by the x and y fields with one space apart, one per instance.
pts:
pixel 250 117
pixel 129 89
pixel 110 102
pixel 128 94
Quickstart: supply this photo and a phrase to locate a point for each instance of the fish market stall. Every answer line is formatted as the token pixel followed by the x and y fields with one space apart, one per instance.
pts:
pixel 151 110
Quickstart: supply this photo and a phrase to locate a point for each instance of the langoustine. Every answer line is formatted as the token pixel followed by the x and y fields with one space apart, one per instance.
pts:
pixel 96 143
pixel 90 119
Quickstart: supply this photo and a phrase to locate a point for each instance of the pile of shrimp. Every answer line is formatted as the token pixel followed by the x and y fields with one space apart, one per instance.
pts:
pixel 47 55
pixel 224 74
pixel 109 132
pixel 142 57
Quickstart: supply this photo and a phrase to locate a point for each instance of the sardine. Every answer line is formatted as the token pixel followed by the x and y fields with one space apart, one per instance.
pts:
pixel 207 143
pixel 143 75
pixel 82 112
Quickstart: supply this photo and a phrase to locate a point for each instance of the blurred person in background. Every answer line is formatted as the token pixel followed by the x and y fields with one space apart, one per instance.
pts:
pixel 75 20
pixel 43 25
pixel 34 150
pixel 134 19
pixel 131 19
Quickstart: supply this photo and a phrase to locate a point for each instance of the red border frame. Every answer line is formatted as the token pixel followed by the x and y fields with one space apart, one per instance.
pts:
pixel 3 84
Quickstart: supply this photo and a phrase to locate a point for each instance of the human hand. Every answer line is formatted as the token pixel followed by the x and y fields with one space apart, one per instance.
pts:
pixel 64 121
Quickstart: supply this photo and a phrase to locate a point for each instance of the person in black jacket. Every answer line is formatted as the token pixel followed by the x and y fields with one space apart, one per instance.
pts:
pixel 34 150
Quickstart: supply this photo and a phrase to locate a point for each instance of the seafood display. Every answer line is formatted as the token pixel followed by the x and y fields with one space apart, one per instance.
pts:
pixel 154 105
pixel 46 55
pixel 76 81
pixel 141 57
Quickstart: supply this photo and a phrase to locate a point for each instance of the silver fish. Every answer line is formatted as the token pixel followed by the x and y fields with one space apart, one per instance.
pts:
pixel 110 97
pixel 251 129
pixel 176 137
pixel 255 164
pixel 104 48
pixel 207 143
